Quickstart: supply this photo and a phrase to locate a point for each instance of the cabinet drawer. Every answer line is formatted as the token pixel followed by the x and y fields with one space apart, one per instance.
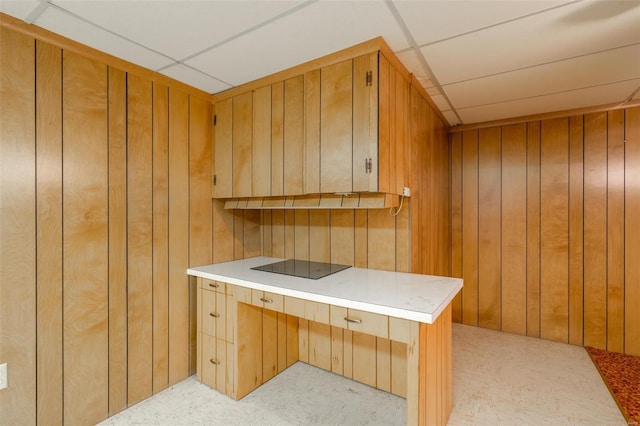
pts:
pixel 360 321
pixel 214 314
pixel 214 368
pixel 217 286
pixel 294 306
pixel 265 299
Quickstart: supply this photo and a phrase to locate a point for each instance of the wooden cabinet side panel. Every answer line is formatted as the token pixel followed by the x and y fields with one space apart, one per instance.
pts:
pixel 336 118
pixel 223 149
pixel 364 358
pixel 384 116
pixel 249 349
pixel 294 135
pixel 242 144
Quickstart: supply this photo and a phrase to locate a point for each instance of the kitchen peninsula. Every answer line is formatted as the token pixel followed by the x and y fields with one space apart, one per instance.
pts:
pixel 386 329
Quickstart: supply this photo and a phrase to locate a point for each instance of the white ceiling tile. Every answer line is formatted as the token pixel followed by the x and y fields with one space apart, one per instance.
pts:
pixel 576 29
pixel 451 118
pixel 429 21
pixel 585 71
pixel 178 29
pixel 609 93
pixel 18 9
pixel 317 30
pixel 195 78
pixel 441 102
pixel 60 22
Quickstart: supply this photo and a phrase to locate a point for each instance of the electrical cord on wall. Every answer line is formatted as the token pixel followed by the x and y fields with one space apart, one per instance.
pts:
pixel 399 208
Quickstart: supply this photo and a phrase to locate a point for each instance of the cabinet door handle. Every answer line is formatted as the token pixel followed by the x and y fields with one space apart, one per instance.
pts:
pixel 265 300
pixel 214 315
pixel 353 320
pixel 213 285
pixel 214 362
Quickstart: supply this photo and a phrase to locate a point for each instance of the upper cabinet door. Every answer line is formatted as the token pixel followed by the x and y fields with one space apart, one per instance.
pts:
pixel 261 150
pixel 365 123
pixel 222 149
pixel 294 136
pixel 242 144
pixel 336 133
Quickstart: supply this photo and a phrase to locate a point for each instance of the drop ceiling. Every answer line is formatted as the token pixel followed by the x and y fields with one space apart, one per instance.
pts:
pixel 480 60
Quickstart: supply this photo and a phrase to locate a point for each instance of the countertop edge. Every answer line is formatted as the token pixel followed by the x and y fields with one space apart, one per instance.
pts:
pixel 347 303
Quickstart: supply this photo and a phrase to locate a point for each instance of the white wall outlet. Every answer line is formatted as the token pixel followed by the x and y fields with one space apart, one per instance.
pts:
pixel 406 192
pixel 4 382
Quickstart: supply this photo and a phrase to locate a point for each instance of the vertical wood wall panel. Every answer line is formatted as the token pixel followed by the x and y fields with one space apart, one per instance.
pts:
pixel 140 238
pixel 554 229
pixel 489 193
pixel 533 229
pixel 576 228
pixel 18 236
pixel 595 229
pixel 49 232
pixel 178 235
pixel 470 227
pixel 456 219
pixel 200 210
pixel 514 229
pixel 117 240
pixel 85 240
pixel 568 234
pixel 160 237
pixel 87 117
pixel 632 232
pixel 615 231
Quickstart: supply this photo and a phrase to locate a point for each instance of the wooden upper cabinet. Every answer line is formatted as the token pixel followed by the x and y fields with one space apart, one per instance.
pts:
pixel 222 149
pixel 340 128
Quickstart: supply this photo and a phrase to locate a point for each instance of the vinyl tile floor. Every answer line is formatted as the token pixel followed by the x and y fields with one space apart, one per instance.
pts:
pixel 498 379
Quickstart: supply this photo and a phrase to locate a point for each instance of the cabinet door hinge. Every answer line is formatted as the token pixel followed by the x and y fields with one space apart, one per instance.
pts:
pixel 368 165
pixel 215 120
pixel 369 78
pixel 214 180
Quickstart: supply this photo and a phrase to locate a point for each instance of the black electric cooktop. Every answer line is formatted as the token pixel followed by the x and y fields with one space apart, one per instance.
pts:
pixel 302 268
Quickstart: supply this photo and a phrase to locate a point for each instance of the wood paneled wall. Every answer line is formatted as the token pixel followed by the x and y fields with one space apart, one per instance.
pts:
pixel 105 198
pixel 545 228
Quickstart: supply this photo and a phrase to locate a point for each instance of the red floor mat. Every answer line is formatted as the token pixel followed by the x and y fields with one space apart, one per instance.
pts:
pixel 621 373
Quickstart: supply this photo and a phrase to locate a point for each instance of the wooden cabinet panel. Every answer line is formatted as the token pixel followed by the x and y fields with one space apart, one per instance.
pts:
pixel 293 135
pixel 336 117
pixel 261 150
pixel 312 132
pixel 277 138
pixel 294 306
pixel 223 149
pixel 365 122
pixel 209 313
pixel 242 144
pixel 214 363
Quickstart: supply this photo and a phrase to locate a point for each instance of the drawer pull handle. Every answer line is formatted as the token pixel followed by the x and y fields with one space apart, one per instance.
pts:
pixel 213 285
pixel 214 362
pixel 265 300
pixel 214 315
pixel 353 320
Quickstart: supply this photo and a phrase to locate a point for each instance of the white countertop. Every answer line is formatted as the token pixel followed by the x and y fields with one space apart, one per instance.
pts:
pixel 410 296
